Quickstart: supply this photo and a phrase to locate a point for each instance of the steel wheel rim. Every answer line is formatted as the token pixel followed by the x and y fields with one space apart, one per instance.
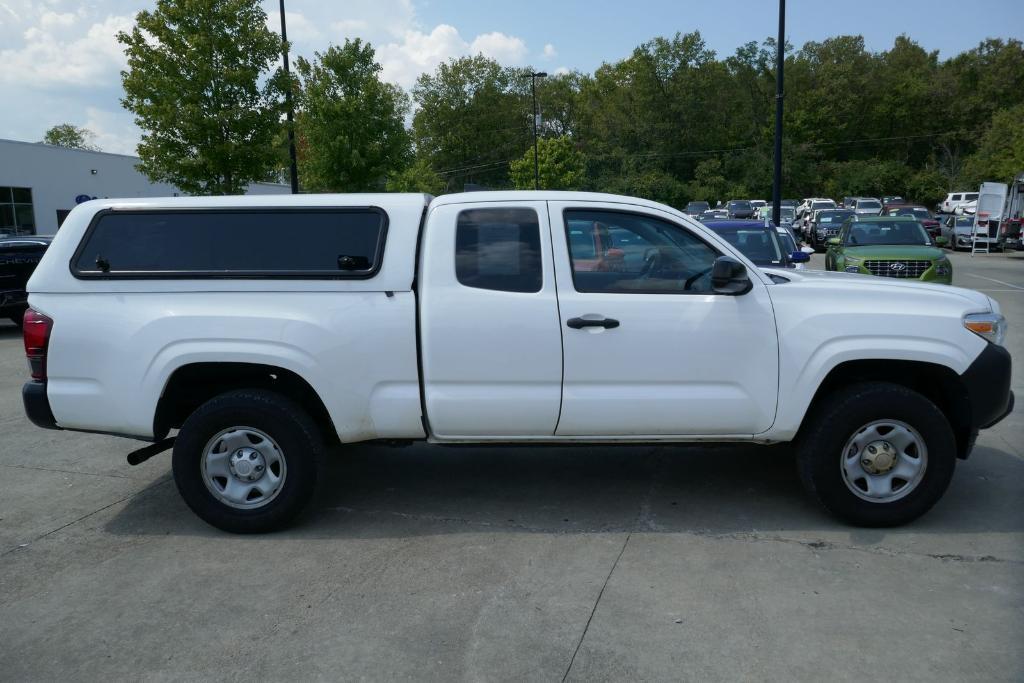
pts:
pixel 865 473
pixel 243 467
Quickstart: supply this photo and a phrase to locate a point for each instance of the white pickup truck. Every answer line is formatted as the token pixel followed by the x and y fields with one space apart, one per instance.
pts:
pixel 267 329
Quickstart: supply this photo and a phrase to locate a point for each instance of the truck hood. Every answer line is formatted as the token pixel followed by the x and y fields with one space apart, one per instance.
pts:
pixel 873 285
pixel 895 251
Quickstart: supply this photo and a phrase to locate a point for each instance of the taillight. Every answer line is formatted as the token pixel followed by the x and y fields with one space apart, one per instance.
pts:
pixel 36 328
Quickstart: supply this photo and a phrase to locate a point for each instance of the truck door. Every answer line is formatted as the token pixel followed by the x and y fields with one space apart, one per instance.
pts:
pixel 490 338
pixel 650 349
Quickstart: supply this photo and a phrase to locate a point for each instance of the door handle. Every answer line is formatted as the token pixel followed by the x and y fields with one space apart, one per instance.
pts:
pixel 580 323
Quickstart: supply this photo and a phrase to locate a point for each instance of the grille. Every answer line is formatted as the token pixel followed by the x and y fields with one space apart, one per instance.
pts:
pixel 900 269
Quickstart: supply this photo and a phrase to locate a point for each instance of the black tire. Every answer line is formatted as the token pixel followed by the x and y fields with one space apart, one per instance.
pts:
pixel 277 416
pixel 838 417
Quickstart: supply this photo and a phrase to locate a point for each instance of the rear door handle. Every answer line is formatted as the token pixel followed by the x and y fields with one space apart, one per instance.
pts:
pixel 580 323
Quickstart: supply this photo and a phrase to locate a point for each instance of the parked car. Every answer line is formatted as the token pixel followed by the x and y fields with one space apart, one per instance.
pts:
pixel 825 225
pixel 888 246
pixel 804 219
pixel 867 206
pixel 714 214
pixel 740 208
pixel 401 317
pixel 955 200
pixel 892 200
pixel 957 231
pixel 921 213
pixel 696 208
pixel 758 241
pixel 967 208
pixel 790 245
pixel 19 257
pixel 758 204
pixel 848 202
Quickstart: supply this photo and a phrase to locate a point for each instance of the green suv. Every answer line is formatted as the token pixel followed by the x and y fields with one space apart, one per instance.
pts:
pixel 889 246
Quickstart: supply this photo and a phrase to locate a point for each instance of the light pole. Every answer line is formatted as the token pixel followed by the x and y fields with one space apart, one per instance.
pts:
pixel 288 104
pixel 533 88
pixel 780 62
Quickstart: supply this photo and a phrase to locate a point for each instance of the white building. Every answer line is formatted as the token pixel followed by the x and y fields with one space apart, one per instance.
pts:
pixel 40 184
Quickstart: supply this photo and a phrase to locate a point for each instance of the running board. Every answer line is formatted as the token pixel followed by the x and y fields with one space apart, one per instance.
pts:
pixel 143 454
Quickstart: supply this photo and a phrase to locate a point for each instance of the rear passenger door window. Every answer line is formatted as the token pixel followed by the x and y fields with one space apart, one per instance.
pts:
pixel 498 249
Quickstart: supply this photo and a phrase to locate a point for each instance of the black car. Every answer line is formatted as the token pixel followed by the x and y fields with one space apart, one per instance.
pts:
pixel 826 224
pixel 740 208
pixel 696 208
pixel 757 241
pixel 19 256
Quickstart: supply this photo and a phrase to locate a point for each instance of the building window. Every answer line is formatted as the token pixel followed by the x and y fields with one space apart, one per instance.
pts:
pixel 16 215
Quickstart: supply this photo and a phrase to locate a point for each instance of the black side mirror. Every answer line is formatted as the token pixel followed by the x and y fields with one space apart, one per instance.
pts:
pixel 729 276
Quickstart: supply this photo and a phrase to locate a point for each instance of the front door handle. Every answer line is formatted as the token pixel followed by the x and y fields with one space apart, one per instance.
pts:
pixel 580 323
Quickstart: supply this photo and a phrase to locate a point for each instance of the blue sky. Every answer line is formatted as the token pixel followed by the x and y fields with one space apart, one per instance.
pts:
pixel 59 61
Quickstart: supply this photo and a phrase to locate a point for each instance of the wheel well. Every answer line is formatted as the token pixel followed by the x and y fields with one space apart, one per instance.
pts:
pixel 941 385
pixel 192 385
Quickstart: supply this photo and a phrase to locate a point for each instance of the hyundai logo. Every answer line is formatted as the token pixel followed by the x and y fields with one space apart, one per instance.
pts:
pixel 897 266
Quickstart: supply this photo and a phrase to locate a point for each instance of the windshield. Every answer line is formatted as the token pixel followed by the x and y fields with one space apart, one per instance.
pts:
pixel 823 205
pixel 833 216
pixel 786 241
pixel 787 211
pixel 887 232
pixel 697 206
pixel 916 211
pixel 869 204
pixel 742 205
pixel 971 197
pixel 759 244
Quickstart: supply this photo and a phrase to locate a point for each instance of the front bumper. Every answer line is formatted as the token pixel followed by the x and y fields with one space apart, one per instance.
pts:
pixel 37 405
pixel 987 381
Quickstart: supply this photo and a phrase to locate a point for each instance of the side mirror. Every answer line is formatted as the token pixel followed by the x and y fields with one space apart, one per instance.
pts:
pixel 833 241
pixel 941 241
pixel 729 276
pixel 799 257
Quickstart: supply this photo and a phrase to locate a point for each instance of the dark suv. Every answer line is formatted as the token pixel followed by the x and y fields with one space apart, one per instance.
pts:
pixel 19 256
pixel 740 208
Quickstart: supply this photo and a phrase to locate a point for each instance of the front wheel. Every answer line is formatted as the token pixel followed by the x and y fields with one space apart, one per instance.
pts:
pixel 877 454
pixel 247 461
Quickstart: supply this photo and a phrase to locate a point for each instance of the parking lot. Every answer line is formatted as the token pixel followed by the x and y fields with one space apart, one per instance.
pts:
pixel 639 563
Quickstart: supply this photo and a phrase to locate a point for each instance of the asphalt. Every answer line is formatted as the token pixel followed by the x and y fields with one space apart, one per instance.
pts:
pixel 697 563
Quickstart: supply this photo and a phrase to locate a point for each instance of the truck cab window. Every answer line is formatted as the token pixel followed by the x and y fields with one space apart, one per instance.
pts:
pixel 498 249
pixel 615 251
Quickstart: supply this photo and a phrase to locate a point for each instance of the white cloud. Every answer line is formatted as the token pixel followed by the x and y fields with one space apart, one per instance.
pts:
pixel 501 47
pixel 561 71
pixel 549 52
pixel 300 29
pixel 48 58
pixel 115 132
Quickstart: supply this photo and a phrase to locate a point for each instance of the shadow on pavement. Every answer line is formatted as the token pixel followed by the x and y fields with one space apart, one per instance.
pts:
pixel 380 492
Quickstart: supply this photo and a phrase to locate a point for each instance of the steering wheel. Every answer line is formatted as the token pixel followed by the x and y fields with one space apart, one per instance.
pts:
pixel 652 263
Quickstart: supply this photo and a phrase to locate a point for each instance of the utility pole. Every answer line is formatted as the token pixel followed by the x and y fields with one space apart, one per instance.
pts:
pixel 290 114
pixel 536 162
pixel 780 62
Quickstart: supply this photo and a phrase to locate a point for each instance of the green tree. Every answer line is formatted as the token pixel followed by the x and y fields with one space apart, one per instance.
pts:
pixel 68 135
pixel 349 122
pixel 1000 154
pixel 473 117
pixel 418 176
pixel 561 166
pixel 202 85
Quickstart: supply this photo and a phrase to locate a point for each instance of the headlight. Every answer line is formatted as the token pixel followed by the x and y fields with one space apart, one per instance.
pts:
pixel 852 269
pixel 991 326
pixel 942 267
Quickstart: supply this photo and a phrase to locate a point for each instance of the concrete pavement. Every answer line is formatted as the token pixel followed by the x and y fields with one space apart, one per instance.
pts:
pixel 503 564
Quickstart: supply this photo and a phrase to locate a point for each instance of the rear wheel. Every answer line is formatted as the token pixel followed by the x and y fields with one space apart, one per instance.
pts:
pixel 247 461
pixel 877 454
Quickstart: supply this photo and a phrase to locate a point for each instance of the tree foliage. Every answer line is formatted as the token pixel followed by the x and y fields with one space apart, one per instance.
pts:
pixel 561 166
pixel 68 135
pixel 350 123
pixel 202 83
pixel 418 176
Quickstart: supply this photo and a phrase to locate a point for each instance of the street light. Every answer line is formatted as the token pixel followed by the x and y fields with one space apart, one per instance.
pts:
pixel 533 76
pixel 288 103
pixel 780 62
